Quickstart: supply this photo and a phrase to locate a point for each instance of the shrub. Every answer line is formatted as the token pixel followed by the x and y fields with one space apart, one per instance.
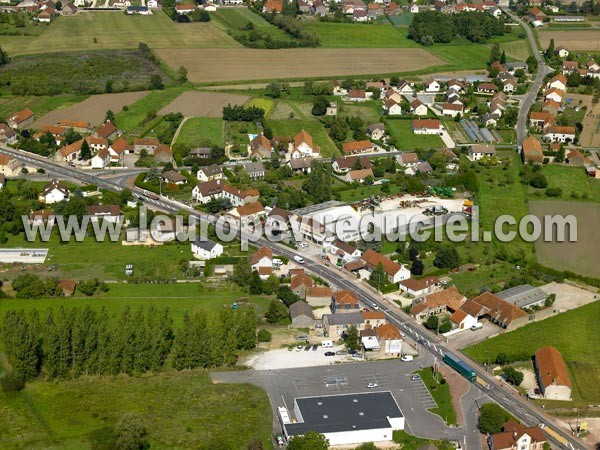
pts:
pixel 12 382
pixel 264 335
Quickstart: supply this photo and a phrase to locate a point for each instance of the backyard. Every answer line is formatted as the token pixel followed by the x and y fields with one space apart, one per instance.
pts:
pixel 201 132
pixel 401 131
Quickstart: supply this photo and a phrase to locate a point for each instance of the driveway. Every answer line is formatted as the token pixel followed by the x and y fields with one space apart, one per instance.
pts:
pixel 468 337
pixel 448 142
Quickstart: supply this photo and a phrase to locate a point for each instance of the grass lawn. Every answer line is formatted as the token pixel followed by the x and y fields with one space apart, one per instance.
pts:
pixel 237 133
pixel 265 103
pixel 118 31
pixel 410 442
pixel 355 35
pixel 441 395
pixel 314 128
pixel 572 180
pixel 235 19
pixel 473 282
pixel 403 20
pixel 201 132
pixel 39 105
pixel 181 410
pixel 573 333
pixel 405 138
pixel 129 121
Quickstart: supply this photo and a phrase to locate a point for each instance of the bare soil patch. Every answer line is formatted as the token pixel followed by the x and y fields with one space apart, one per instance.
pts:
pixel 202 104
pixel 213 65
pixel 573 39
pixel 92 109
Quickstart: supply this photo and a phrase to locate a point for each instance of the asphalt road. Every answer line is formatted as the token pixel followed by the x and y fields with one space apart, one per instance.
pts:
pixel 528 413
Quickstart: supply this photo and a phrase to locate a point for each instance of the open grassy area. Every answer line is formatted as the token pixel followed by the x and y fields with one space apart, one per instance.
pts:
pixel 573 181
pixel 410 442
pixel 201 132
pixel 39 105
pixel 354 35
pixel 441 395
pixel 235 19
pixel 314 128
pixel 405 138
pixel 101 31
pixel 180 409
pixel 130 120
pixel 573 333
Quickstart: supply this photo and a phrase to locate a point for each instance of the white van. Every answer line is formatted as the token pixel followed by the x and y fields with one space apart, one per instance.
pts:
pixel 477 326
pixel 277 262
pixel 299 259
pixel 327 344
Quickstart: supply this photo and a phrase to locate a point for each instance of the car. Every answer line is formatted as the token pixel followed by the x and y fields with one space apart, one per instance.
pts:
pixel 302 338
pixel 299 259
pixel 357 356
pixel 422 341
pixel 415 377
pixel 307 348
pixel 315 347
pixel 374 305
pixel 341 352
pixel 406 358
pixel 372 385
pixel 280 441
pixel 353 352
pixel 299 348
pixel 303 245
pixel 329 354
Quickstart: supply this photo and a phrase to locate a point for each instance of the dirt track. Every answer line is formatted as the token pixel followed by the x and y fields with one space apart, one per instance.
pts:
pixel 209 65
pixel 202 104
pixel 93 109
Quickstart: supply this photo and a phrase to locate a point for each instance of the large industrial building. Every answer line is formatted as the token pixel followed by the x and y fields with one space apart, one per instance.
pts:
pixel 345 419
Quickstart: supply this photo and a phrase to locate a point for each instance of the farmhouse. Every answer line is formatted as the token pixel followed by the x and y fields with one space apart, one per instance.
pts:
pixel 147 144
pixel 552 374
pixel 357 95
pixel 262 259
pixel 540 119
pixel 20 119
pixel 426 126
pixel 504 314
pixel 532 151
pixel 559 134
pixel 419 288
pixel 260 147
pixel 576 158
pixel 517 436
pixel 69 153
pixel 447 300
pixel 300 283
pixel 558 82
pixel 461 320
pixel 356 147
pixel 206 249
pixel 478 151
pixel 107 131
pixel 9 166
pixel 163 154
pixel 345 163
pixel 118 148
pixel 54 192
pixel 7 134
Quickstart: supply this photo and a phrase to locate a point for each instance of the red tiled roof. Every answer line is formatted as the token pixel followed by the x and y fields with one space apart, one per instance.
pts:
pixel 551 367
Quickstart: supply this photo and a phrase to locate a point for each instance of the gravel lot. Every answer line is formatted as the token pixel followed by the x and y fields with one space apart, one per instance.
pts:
pixel 569 296
pixel 287 359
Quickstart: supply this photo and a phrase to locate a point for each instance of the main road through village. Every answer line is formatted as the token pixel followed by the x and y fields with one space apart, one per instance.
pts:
pixel 432 346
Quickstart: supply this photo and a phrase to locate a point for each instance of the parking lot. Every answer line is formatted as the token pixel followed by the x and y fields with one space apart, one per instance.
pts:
pixel 286 359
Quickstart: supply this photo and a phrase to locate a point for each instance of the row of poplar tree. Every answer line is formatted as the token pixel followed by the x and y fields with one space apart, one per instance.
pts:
pixel 70 342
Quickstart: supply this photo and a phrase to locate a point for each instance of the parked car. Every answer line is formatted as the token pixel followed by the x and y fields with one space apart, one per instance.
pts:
pixel 299 348
pixel 415 377
pixel 315 347
pixel 372 385
pixel 406 358
pixel 307 348
pixel 477 326
pixel 341 352
pixel 303 245
pixel 329 354
pixel 302 338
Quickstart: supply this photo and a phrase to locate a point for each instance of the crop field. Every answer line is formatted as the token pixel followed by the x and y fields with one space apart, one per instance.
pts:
pixel 117 31
pixel 573 333
pixel 213 65
pixel 92 109
pixel 202 104
pixel 573 40
pixel 358 35
pixel 405 138
pixel 581 256
pixel 180 410
pixel 131 119
pixel 39 105
pixel 201 132
pixel 315 129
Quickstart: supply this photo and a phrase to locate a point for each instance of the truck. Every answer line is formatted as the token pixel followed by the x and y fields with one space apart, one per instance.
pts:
pixel 460 366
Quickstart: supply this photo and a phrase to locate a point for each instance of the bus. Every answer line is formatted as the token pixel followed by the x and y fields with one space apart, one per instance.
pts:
pixel 460 366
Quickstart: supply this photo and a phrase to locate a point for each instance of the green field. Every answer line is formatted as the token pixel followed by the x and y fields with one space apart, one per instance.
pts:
pixel 234 19
pixel 292 127
pixel 572 180
pixel 343 35
pixel 201 132
pixel 117 31
pixel 573 333
pixel 130 120
pixel 407 140
pixel 403 20
pixel 39 105
pixel 181 410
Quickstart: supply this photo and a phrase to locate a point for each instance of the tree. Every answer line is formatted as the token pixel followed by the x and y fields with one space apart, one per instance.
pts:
pixel 156 82
pixel 276 312
pixel 264 335
pixel 273 90
pixel 131 433
pixel 492 418
pixel 182 74
pixel 320 104
pixel 495 53
pixel 417 267
pixel 550 49
pixel 256 284
pixel 110 117
pixel 378 278
pixel 310 441
pixel 503 57
pixel 85 153
pixel 4 59
pixel 432 323
pixel 352 338
pixel 513 376
pixel 242 273
pixel 446 258
pixel 339 129
pixel 318 184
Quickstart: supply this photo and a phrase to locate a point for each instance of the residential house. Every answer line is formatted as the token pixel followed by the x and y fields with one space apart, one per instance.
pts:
pixel 278 219
pixel 335 325
pixel 206 249
pixel 331 109
pixel 301 165
pixel 163 154
pixel 407 159
pixel 205 191
pixel 301 315
pixel 7 134
pixel 255 170
pixel 455 85
pixel 55 191
pixel 110 213
pixel 552 374
pixel 452 109
pixel 302 146
pixel 359 175
pixel 260 147
pixel 304 7
pixel 9 166
pixel 273 6
pixel 319 8
pixel 357 95
pixel 47 15
pixel 447 300
pixel 394 271
pixel 359 15
pixel 66 287
pixel 41 216
pixel 576 158
pixel 517 436
pixel 79 126
pixel 173 177
pixel 392 107
pixel 357 147
pixel 478 151
pixel 559 134
pixel 300 283
pixel 346 163
pixel 419 167
pixel 318 296
pixel 119 148
pixel 404 87
pixel 554 94
pixel 147 144
pixel 261 261
pixel 462 320
pixel 426 126
pixel 338 89
pixel 209 173
pixel 541 119
pixel 239 197
pixel 344 302
pixel 344 252
pixel 551 106
pixel 376 131
pixel 373 319
pixel 101 159
pixel 421 287
pixel 69 153
pixel 487 88
pixel 536 15
pixel 390 339
pixel 569 67
pixel 107 131
pixel 532 151
pixel 392 94
pixel 21 119
pixel 509 83
pixel 558 82
pixel 592 69
pixel 201 152
pixel 374 10
pixel 392 9
pixel 248 213
pixel 562 52
pixel 96 144
pixel 69 9
pixel 418 108
pixel 185 8
pixel 432 86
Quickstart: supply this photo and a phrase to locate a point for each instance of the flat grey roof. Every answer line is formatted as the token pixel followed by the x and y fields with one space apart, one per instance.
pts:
pixel 205 244
pixel 348 412
pixel 523 295
pixel 318 207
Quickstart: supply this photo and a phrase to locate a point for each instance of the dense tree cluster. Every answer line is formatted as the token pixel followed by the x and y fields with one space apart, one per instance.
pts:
pixel 319 183
pixel 492 418
pixel 430 27
pixel 242 114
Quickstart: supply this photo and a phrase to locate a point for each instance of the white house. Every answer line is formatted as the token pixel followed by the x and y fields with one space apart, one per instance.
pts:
pixel 562 52
pixel 344 251
pixel 461 320
pixel 554 94
pixel 426 126
pixel 478 151
pixel 101 159
pixel 303 147
pixel 558 82
pixel 421 287
pixel 262 262
pixel 54 192
pixel 392 108
pixel 208 173
pixel 452 109
pixel 206 249
pixel 110 213
pixel 560 134
pixel 418 108
pixel 432 86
